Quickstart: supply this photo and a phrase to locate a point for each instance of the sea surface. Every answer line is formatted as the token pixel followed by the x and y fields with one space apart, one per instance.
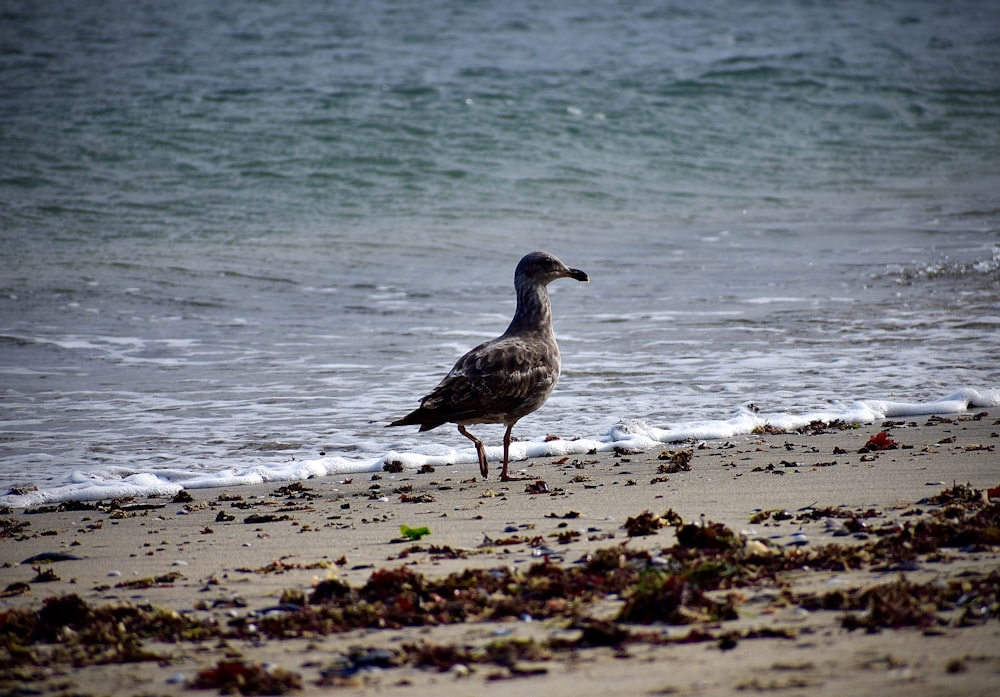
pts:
pixel 237 238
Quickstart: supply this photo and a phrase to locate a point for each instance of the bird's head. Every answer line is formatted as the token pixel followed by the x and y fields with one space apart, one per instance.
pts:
pixel 542 267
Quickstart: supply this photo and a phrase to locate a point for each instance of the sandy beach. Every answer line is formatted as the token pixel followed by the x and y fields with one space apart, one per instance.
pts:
pixel 839 560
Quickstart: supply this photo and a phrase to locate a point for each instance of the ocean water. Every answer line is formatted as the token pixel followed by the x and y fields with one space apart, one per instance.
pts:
pixel 238 238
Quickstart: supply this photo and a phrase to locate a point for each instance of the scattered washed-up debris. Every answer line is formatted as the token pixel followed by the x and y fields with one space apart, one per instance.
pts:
pixel 879 442
pixel 413 533
pixel 247 678
pixel 152 581
pixel 645 523
pixel 676 461
pixel 701 581
pixel 259 518
pixel 537 487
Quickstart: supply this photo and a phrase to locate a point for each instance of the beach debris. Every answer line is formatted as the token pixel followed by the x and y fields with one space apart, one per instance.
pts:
pixel 344 666
pixel 597 632
pixel 67 506
pixel 769 468
pixel 445 551
pixel 957 494
pixel 758 548
pixel 151 581
pixel 777 514
pixel 676 461
pixel 568 515
pixel 645 523
pixel 182 496
pixel 256 518
pixel 819 427
pixel 508 653
pixel 660 596
pixel 89 635
pixel 537 487
pixel 247 679
pixel 21 489
pixel 296 491
pixel 123 506
pixel 416 498
pixel 566 536
pixel 11 527
pixel 768 429
pixel 393 466
pixel 44 575
pixel 879 442
pixel 707 535
pixel 896 604
pixel 698 581
pixel 413 533
pixel 280 566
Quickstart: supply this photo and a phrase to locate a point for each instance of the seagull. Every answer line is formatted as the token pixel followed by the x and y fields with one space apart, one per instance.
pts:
pixel 506 378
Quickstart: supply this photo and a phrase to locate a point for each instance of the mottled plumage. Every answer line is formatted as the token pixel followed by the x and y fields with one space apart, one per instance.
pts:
pixel 507 378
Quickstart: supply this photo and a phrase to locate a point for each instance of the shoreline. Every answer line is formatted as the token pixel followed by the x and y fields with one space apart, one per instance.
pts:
pixel 626 434
pixel 209 558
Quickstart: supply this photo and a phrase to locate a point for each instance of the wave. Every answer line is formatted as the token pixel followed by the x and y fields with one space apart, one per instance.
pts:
pixel 630 434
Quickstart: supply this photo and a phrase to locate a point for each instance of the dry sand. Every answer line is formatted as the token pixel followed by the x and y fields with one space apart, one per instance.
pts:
pixel 210 566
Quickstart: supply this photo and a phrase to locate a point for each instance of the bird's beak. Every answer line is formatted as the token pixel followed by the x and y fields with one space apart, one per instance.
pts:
pixel 578 275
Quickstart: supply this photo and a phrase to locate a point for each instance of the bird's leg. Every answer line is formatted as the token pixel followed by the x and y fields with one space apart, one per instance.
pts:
pixel 504 477
pixel 480 451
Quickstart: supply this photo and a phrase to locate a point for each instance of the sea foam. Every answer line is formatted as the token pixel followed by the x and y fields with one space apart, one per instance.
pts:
pixel 630 434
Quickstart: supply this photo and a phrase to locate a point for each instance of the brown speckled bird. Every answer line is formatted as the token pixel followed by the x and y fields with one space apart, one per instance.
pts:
pixel 507 378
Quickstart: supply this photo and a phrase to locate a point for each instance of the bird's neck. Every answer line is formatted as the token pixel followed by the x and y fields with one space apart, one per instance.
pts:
pixel 534 312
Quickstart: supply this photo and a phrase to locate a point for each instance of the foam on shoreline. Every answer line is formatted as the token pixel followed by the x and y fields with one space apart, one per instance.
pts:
pixel 633 434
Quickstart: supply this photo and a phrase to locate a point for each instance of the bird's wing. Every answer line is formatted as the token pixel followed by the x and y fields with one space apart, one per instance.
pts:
pixel 495 381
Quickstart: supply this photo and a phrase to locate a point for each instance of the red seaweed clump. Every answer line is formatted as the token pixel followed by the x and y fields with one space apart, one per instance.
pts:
pixel 879 442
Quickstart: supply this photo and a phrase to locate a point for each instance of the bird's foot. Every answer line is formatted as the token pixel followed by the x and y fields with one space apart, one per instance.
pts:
pixel 506 477
pixel 484 469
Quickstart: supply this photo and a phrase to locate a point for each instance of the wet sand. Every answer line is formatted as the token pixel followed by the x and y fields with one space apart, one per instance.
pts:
pixel 210 559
